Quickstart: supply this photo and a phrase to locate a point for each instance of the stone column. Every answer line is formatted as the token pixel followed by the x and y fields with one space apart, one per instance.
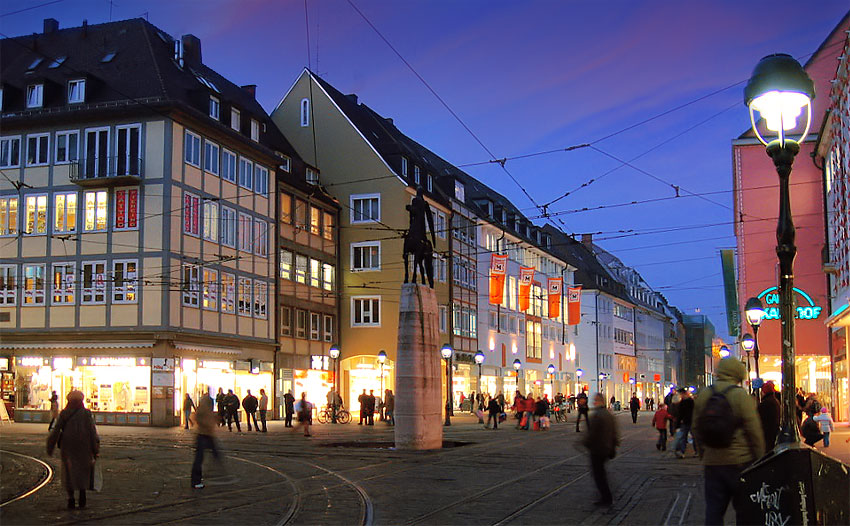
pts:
pixel 418 399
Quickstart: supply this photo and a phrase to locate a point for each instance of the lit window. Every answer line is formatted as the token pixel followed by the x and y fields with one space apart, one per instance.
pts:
pixel 244 297
pixel 191 214
pixel 124 281
pixel 65 212
pixel 93 282
pixel 246 173
pixel 365 256
pixel 228 293
pixel 228 166
pixel 285 264
pixel 300 323
pixel 315 273
pixel 261 293
pixel 10 152
pixel 8 284
pixel 366 311
pixel 235 119
pixel 126 208
pixel 36 214
pixel 64 280
pixel 34 285
pixel 228 226
pixel 305 113
pixel 210 232
pixel 67 147
pixel 315 220
pixel 365 208
pixel 261 180
pixel 193 149
pixel 8 216
pixel 210 289
pixel 255 130
pixel 38 149
pixel 285 208
pixel 328 226
pixel 76 91
pixel 191 285
pixel 327 276
pixel 95 210
pixel 215 107
pixel 35 95
pixel 301 269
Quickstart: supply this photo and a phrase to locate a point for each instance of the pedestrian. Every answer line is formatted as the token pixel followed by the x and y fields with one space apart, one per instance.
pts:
pixel 76 436
pixel 390 407
pixel 519 404
pixel 601 441
pixel 501 399
pixel 659 422
pixel 472 402
pixel 826 424
pixel 264 406
pixel 289 407
pixel 611 402
pixel 528 406
pixel 813 406
pixel 540 409
pixel 54 410
pixel 581 403
pixel 769 414
pixel 231 407
pixel 249 404
pixel 731 442
pixel 684 420
pixel 220 406
pixel 810 431
pixel 370 408
pixel 330 398
pixel 362 399
pixel 305 414
pixel 634 407
pixel 493 412
pixel 205 424
pixel 799 404
pixel 188 406
pixel 673 409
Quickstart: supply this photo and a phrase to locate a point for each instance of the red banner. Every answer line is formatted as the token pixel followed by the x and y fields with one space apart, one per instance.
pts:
pixel 498 269
pixel 132 206
pixel 526 277
pixel 555 286
pixel 573 305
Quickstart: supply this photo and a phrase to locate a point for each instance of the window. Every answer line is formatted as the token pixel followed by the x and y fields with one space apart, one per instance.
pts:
pixel 8 284
pixel 440 268
pixel 315 220
pixel 301 269
pixel 244 297
pixel 193 149
pixel 126 208
pixel 128 159
pixel 228 166
pixel 235 119
pixel 64 212
pixel 210 232
pixel 366 256
pixel 285 163
pixel 327 276
pixel 228 226
pixel 215 107
pixel 35 95
pixel 404 166
pixel 246 173
pixel 124 281
pixel 365 208
pixel 76 91
pixel 211 157
pixel 329 328
pixel 285 264
pixel 300 323
pixel 300 214
pixel 312 176
pixel 415 174
pixel 305 113
pixel 328 226
pixel 261 180
pixel 95 210
pixel 191 214
pixel 63 284
pixel 315 325
pixel 67 147
pixel 10 152
pixel 94 283
pixel 365 311
pixel 33 285
pixel 191 278
pixel 286 321
pixel 444 315
pixel 209 289
pixel 315 273
pixel 97 152
pixel 430 183
pixel 36 214
pixel 38 148
pixel 285 208
pixel 245 232
pixel 228 293
pixel 533 339
pixel 440 225
pixel 255 130
pixel 8 216
pixel 261 238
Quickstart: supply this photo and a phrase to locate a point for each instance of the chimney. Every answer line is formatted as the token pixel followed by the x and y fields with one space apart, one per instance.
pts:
pixel 51 25
pixel 352 97
pixel 389 120
pixel 587 240
pixel 191 50
pixel 250 89
pixel 85 27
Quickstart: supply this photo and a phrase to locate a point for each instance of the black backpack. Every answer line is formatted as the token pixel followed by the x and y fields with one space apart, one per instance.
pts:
pixel 717 422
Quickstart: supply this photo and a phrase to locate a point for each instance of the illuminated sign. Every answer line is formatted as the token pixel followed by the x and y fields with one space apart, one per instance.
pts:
pixel 208 364
pixel 808 311
pixel 31 361
pixel 4 364
pixel 63 364
pixel 112 361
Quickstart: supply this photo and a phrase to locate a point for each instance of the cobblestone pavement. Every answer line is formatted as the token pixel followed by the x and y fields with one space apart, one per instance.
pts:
pixel 495 477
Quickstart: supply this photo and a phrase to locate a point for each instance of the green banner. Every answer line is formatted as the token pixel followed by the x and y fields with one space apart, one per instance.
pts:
pixel 730 288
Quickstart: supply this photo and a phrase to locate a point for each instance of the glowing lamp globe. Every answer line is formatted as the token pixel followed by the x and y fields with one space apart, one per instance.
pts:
pixel 551 369
pixel 724 351
pixel 517 364
pixel 446 351
pixel 334 352
pixel 382 356
pixel 479 357
pixel 748 343
pixel 754 311
pixel 579 372
pixel 780 91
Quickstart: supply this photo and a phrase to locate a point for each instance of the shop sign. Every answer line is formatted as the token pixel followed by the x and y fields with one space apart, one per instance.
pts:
pixel 4 364
pixel 656 378
pixel 63 364
pixel 319 362
pixel 808 311
pixel 162 379
pixel 165 365
pixel 31 361
pixel 212 364
pixel 112 361
pixel 625 378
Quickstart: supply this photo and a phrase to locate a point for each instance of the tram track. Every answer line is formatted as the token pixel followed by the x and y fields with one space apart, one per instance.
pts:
pixel 40 484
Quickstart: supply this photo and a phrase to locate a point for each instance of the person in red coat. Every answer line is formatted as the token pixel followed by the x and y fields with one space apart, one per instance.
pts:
pixel 659 422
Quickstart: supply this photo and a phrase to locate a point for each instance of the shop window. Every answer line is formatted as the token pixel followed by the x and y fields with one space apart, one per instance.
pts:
pixel 190 289
pixel 95 202
pixel 285 264
pixel 327 276
pixel 228 293
pixel 65 212
pixel 315 273
pixel 315 325
pixel 329 328
pixel 64 281
pixel 228 166
pixel 246 173
pixel 192 149
pixel 300 323
pixel 211 157
pixel 286 321
pixel 328 226
pixel 10 152
pixel 124 281
pixel 261 180
pixel 38 148
pixel 366 208
pixel 8 284
pixel 93 283
pixel 209 289
pixel 121 384
pixel 33 285
pixel 366 311
pixel 261 238
pixel 191 214
pixel 315 219
pixel 261 298
pixel 228 226
pixel 126 208
pixel 210 231
pixel 366 256
pixel 36 214
pixel 301 269
pixel 243 301
pixel 245 232
pixel 285 208
pixel 8 216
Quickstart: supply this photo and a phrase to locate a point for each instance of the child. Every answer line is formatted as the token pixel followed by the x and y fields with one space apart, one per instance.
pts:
pixel 659 421
pixel 825 423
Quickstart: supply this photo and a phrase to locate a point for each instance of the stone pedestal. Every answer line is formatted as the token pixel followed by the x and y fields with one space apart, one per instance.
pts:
pixel 418 399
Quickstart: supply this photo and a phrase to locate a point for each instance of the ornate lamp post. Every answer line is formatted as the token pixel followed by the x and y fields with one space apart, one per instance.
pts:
pixel 755 313
pixel 579 372
pixel 382 357
pixel 334 352
pixel 446 352
pixel 517 367
pixel 724 351
pixel 479 359
pixel 748 343
pixel 551 371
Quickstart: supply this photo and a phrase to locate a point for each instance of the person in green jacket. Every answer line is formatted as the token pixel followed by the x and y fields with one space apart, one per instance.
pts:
pixel 723 466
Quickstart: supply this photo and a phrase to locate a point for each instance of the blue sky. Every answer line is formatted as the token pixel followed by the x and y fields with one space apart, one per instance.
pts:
pixel 528 77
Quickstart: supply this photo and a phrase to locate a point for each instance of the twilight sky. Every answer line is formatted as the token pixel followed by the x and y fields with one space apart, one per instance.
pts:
pixel 527 77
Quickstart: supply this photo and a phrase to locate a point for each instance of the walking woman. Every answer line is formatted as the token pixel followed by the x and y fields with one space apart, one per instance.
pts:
pixel 54 410
pixel 76 435
pixel 305 413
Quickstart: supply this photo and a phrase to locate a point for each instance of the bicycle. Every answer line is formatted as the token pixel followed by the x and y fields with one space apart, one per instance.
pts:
pixel 559 413
pixel 325 415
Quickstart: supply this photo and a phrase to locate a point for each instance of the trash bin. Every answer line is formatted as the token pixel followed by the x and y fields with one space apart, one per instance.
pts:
pixel 617 406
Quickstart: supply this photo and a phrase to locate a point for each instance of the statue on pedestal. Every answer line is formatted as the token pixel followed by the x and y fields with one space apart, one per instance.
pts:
pixel 416 241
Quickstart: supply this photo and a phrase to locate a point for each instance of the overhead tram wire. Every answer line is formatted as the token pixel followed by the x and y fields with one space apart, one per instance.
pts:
pixel 30 8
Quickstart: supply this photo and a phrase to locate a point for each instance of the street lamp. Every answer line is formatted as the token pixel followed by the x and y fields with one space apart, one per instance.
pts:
pixel 382 357
pixel 479 359
pixel 755 313
pixel 334 352
pixel 780 90
pixel 517 367
pixel 579 373
pixel 724 351
pixel 551 370
pixel 748 343
pixel 446 352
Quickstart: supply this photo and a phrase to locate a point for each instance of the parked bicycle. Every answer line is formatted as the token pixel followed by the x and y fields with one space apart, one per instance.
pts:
pixel 325 415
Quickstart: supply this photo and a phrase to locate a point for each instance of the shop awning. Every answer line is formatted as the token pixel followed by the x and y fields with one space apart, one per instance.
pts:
pixel 230 351
pixel 76 345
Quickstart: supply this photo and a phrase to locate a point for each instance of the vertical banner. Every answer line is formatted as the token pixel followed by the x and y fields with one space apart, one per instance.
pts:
pixel 555 285
pixel 526 277
pixel 730 288
pixel 498 267
pixel 573 305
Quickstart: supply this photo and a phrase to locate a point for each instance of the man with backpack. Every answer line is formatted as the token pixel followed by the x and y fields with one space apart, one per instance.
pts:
pixel 581 403
pixel 729 430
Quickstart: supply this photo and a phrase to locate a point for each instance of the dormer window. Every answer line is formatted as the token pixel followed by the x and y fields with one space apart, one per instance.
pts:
pixel 35 63
pixel 416 174
pixel 35 95
pixel 312 176
pixel 76 91
pixel 430 184
pixel 215 107
pixel 460 196
pixel 255 130
pixel 58 62
pixel 305 113
pixel 285 163
pixel 235 119
pixel 404 166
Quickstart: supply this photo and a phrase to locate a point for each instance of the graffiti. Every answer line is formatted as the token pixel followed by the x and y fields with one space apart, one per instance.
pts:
pixel 774 518
pixel 803 507
pixel 767 498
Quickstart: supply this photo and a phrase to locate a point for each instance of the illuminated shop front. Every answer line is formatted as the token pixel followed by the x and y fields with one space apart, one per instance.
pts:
pixel 199 376
pixel 361 373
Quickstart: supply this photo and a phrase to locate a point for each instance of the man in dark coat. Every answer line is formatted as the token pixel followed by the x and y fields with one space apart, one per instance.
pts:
pixel 769 414
pixel 289 407
pixel 249 404
pixel 581 403
pixel 219 406
pixel 231 405
pixel 370 408
pixel 601 441
pixel 634 407
pixel 363 401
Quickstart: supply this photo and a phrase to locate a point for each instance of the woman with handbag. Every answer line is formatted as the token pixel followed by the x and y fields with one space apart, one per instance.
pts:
pixel 76 435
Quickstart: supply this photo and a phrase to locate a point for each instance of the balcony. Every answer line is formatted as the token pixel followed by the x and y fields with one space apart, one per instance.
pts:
pixel 107 171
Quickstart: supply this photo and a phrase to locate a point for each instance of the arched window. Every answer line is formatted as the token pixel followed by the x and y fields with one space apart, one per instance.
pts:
pixel 305 113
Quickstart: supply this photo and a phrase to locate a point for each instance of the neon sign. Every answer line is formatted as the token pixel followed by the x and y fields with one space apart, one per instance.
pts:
pixel 810 311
